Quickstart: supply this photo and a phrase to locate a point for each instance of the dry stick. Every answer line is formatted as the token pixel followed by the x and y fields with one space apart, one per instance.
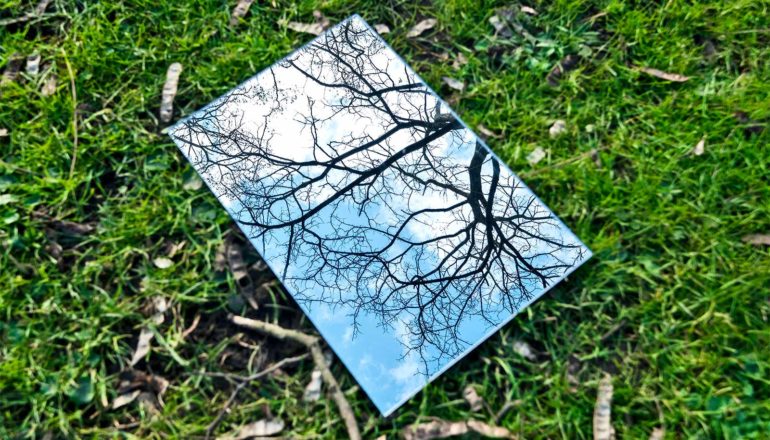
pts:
pixel 74 114
pixel 311 342
pixel 245 381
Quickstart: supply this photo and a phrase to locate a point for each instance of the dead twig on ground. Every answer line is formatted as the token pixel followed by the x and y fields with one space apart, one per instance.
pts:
pixel 312 343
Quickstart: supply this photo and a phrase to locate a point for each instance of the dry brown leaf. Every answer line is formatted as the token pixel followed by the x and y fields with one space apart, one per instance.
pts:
pixel 12 68
pixel 240 11
pixel 174 248
pixel 162 262
pixel 169 91
pixel 528 10
pixel 559 126
pixel 658 434
pixel 460 60
pixel 536 156
pixel 381 28
pixel 568 63
pixel 603 410
pixel 454 83
pixel 313 389
pixel 524 350
pixel 49 86
pixel 421 27
pixel 500 26
pixel 472 397
pixel 699 148
pixel 142 346
pixel 675 77
pixel 320 25
pixel 443 429
pixel 757 239
pixel 33 64
pixel 260 428
pixel 125 399
pixel 158 306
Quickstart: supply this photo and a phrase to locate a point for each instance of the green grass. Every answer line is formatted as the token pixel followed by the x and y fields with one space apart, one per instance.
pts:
pixel 685 301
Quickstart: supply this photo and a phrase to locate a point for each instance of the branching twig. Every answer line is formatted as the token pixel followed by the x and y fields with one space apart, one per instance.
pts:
pixel 243 382
pixel 312 343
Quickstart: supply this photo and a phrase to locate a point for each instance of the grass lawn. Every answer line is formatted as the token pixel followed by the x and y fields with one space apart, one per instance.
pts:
pixel 675 306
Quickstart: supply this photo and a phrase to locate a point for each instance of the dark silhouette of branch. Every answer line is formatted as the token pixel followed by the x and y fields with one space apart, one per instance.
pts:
pixel 380 202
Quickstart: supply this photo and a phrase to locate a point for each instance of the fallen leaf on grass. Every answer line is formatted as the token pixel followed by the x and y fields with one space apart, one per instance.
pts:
pixel 603 410
pixel 454 83
pixel 421 27
pixel 524 350
pixel 500 26
pixel 260 428
pixel 536 156
pixel 559 126
pixel 240 11
pixel 142 346
pixel 752 127
pixel 169 91
pixel 176 247
pixel 12 69
pixel 443 429
pixel 49 86
pixel 125 399
pixel 675 77
pixel 472 397
pixel 320 25
pixel 158 307
pixel 699 148
pixel 658 434
pixel 162 262
pixel 568 63
pixel 757 239
pixel 33 64
pixel 460 60
pixel 135 385
pixel 313 389
pixel 381 28
pixel 506 23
